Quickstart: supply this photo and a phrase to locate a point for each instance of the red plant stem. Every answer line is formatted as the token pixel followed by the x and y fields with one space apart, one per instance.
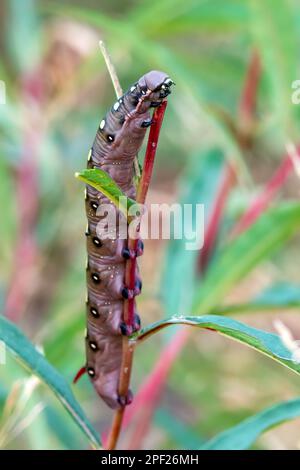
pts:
pixel 158 117
pixel 142 191
pixel 211 232
pixel 130 280
pixel 267 195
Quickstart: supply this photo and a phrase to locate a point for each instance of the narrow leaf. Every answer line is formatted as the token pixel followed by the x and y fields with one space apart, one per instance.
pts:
pixel 36 363
pixel 269 344
pixel 101 181
pixel 243 435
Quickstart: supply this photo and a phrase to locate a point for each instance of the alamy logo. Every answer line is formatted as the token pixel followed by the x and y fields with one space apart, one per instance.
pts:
pixel 2 92
pixel 157 221
pixel 2 353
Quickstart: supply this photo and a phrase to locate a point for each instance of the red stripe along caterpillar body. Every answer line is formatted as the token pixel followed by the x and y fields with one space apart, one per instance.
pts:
pixel 118 140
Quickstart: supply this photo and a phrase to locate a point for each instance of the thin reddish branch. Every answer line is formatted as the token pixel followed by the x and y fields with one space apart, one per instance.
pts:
pixel 158 117
pixel 267 195
pixel 130 279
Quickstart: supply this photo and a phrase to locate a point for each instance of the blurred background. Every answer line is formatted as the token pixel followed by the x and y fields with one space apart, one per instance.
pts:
pixel 227 124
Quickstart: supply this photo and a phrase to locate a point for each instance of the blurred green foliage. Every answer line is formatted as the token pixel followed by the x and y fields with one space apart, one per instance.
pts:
pixel 57 89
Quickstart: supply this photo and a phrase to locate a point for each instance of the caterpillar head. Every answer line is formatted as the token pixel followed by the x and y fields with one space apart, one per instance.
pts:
pixel 156 85
pixel 155 80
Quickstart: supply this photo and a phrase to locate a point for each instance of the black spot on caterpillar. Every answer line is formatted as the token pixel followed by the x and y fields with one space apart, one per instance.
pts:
pixel 118 140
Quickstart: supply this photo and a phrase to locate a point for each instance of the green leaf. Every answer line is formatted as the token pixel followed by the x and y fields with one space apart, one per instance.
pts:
pixel 269 344
pixel 243 435
pixel 36 363
pixel 199 185
pixel 101 181
pixel 238 258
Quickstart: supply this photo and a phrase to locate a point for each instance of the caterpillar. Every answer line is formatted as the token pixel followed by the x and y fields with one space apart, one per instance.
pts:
pixel 119 137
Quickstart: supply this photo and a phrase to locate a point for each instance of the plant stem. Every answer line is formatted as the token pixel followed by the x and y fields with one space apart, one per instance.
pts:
pixel 111 70
pixel 130 279
pixel 117 87
pixel 150 153
pixel 127 359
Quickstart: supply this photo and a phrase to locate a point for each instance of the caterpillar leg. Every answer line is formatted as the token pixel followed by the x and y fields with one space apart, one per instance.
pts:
pixel 131 254
pixel 124 401
pixel 126 330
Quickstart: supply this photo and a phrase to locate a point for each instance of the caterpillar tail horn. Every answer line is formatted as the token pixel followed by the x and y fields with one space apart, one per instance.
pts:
pixel 79 374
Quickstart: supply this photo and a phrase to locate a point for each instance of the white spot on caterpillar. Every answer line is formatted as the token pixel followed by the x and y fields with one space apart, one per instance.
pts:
pixel 133 88
pixel 85 194
pixel 90 155
pixel 102 124
pixel 95 277
pixel 116 106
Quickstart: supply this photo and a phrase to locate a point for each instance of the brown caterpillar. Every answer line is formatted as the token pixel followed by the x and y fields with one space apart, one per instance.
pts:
pixel 118 140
